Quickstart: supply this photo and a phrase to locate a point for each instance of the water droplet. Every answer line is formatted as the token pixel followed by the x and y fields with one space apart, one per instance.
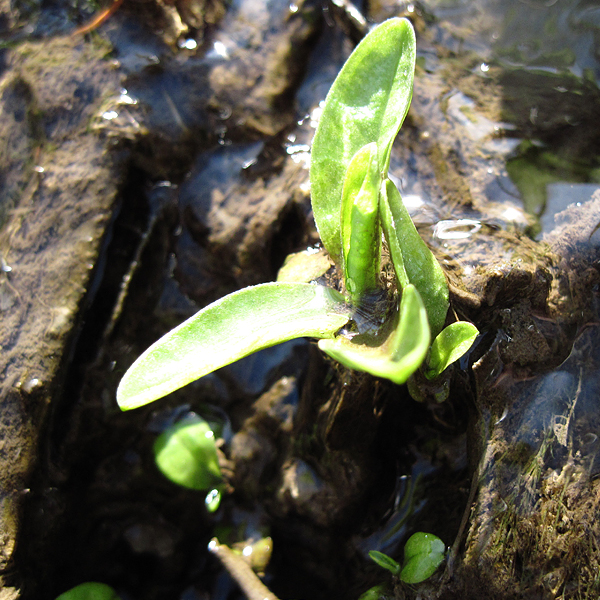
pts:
pixel 456 229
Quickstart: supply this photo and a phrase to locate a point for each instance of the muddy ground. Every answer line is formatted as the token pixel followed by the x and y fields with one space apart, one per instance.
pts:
pixel 158 162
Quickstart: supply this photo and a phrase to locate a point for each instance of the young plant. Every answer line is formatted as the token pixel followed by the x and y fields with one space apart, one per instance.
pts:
pixel 186 454
pixel 354 202
pixel 90 591
pixel 423 554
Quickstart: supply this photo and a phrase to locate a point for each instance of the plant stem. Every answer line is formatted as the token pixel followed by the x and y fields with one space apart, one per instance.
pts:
pixel 241 572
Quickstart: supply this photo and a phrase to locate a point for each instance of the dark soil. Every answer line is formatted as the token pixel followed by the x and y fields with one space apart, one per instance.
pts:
pixel 143 176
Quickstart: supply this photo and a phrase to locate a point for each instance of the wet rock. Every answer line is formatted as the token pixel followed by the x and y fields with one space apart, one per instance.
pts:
pixel 50 240
pixel 234 216
pixel 20 136
pixel 242 85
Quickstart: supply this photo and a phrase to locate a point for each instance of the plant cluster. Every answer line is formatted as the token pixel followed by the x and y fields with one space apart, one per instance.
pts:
pixel 354 202
pixel 356 208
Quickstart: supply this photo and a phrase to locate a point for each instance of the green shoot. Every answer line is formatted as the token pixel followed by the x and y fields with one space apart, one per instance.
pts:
pixel 423 554
pixel 187 455
pixel 353 202
pixel 90 590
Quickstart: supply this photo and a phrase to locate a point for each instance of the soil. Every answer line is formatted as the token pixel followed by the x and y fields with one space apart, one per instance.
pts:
pixel 158 162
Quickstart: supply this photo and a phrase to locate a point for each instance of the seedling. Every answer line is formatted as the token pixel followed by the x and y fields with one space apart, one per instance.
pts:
pixel 90 590
pixel 354 202
pixel 186 454
pixel 423 554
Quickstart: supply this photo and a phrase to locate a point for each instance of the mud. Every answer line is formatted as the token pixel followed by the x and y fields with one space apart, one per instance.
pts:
pixel 144 176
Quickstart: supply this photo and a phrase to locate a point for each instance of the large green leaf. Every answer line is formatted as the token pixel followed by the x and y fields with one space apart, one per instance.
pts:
pixel 229 329
pixel 399 355
pixel 423 554
pixel 366 103
pixel 413 261
pixel 361 232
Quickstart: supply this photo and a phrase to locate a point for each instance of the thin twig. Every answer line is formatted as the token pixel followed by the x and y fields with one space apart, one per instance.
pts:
pixel 98 19
pixel 241 572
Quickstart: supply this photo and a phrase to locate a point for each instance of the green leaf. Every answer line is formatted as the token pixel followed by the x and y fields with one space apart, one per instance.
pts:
pixel 378 592
pixel 423 554
pixel 304 267
pixel 90 590
pixel 229 329
pixel 366 103
pixel 384 561
pixel 450 345
pixel 399 355
pixel 186 454
pixel 361 233
pixel 413 261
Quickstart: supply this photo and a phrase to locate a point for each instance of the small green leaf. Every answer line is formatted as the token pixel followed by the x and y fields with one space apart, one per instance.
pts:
pixel 361 233
pixel 413 261
pixel 366 103
pixel 423 554
pixel 229 329
pixel 90 590
pixel 378 592
pixel 384 561
pixel 187 455
pixel 450 345
pixel 213 500
pixel 304 267
pixel 399 355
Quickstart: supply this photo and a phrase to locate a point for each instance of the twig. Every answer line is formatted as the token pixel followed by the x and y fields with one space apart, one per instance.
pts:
pixel 241 572
pixel 98 19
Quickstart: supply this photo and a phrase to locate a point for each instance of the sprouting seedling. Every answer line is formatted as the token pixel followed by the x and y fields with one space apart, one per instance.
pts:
pixel 186 454
pixel 354 202
pixel 90 590
pixel 423 554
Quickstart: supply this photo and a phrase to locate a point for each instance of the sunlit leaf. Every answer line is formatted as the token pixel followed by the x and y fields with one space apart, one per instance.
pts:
pixel 397 356
pixel 413 261
pixel 361 233
pixel 366 103
pixel 450 345
pixel 90 590
pixel 423 554
pixel 229 329
pixel 186 454
pixel 304 267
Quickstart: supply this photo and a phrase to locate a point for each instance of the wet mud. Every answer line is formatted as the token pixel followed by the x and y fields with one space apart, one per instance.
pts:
pixel 158 162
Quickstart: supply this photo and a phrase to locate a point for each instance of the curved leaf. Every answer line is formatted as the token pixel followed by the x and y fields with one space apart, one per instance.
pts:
pixel 229 329
pixel 413 261
pixel 366 103
pixel 361 232
pixel 385 561
pixel 450 345
pixel 423 554
pixel 398 356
